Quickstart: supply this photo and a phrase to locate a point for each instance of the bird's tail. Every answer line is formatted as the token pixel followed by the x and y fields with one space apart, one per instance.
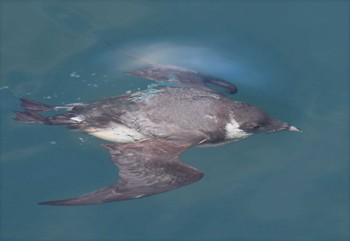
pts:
pixel 31 113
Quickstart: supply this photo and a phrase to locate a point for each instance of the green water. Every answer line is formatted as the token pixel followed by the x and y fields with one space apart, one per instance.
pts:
pixel 289 58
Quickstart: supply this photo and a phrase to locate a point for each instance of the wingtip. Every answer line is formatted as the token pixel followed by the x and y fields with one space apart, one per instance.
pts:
pixel 48 203
pixel 66 202
pixel 51 203
pixel 63 202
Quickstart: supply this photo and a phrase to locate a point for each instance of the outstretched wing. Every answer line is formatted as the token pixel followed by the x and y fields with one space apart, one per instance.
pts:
pixel 145 168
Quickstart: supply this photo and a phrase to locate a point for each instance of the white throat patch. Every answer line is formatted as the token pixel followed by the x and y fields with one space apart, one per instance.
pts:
pixel 233 132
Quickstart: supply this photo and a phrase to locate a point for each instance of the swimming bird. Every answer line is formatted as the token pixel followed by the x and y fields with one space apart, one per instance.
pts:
pixel 150 128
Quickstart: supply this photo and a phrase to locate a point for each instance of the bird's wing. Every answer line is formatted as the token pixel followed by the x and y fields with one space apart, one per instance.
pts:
pixel 178 75
pixel 145 168
pixel 173 74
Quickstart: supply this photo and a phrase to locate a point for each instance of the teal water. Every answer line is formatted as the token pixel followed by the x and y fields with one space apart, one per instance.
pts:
pixel 289 58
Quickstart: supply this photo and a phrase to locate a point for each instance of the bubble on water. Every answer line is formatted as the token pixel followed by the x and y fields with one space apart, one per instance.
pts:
pixel 74 74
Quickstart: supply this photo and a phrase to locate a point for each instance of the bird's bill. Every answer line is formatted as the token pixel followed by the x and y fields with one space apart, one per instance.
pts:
pixel 293 128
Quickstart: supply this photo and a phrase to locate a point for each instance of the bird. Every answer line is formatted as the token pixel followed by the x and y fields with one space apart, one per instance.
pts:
pixel 149 129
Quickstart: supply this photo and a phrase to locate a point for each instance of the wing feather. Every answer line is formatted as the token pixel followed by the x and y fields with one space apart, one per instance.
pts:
pixel 145 168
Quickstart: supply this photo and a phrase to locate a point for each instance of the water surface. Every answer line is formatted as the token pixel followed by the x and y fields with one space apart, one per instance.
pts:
pixel 289 58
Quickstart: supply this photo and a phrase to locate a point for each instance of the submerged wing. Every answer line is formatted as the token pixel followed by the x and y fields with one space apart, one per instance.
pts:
pixel 145 168
pixel 169 73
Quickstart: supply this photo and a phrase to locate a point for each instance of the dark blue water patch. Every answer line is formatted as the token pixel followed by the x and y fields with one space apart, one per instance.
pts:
pixel 67 18
pixel 92 74
pixel 21 83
